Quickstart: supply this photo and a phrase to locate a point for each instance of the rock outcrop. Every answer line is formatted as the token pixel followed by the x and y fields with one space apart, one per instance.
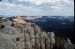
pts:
pixel 29 36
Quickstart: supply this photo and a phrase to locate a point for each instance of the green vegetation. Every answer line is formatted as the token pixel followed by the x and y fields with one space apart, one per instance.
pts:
pixel 1 21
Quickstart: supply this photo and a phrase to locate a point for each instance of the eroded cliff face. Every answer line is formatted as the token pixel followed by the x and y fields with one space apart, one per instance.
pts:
pixel 29 36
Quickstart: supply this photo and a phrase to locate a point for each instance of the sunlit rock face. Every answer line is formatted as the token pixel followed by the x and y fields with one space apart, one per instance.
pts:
pixel 29 36
pixel 19 20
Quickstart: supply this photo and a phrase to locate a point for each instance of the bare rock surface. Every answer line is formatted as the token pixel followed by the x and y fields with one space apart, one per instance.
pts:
pixel 29 36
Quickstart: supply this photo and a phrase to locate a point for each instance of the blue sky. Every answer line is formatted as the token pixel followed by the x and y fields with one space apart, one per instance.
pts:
pixel 37 7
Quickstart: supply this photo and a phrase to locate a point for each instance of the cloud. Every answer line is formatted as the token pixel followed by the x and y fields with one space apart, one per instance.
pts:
pixel 38 2
pixel 37 7
pixel 17 9
pixel 7 5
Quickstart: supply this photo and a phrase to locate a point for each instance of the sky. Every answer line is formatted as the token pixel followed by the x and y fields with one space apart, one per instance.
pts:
pixel 37 7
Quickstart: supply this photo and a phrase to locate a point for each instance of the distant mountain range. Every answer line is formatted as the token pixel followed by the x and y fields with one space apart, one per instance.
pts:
pixel 60 25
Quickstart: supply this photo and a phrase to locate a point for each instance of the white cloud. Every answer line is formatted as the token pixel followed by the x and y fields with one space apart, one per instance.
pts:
pixel 39 7
pixel 7 5
pixel 57 8
pixel 22 0
pixel 38 2
pixel 19 7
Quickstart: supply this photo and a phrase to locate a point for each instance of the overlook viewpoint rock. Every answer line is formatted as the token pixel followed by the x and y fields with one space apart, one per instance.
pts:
pixel 28 36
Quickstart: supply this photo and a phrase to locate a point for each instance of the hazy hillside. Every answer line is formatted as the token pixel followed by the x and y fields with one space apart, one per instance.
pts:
pixel 61 26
